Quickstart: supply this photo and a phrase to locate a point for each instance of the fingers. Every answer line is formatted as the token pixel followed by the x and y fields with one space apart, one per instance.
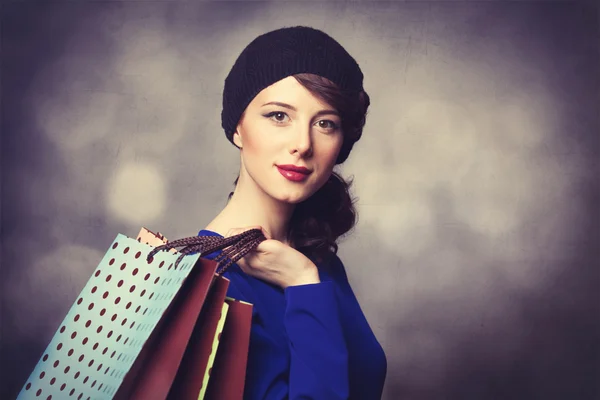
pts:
pixel 264 231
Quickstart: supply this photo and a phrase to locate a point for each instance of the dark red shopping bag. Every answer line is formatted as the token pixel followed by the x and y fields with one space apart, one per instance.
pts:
pixel 233 354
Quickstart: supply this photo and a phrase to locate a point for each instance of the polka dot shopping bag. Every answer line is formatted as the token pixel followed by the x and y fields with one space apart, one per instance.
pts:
pixel 152 324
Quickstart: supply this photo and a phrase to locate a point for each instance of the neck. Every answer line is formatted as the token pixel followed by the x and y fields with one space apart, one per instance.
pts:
pixel 250 206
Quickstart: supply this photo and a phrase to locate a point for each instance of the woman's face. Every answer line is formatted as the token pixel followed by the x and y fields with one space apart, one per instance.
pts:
pixel 285 125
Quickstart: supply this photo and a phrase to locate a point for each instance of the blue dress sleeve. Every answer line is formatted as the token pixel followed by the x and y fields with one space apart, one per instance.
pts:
pixel 315 364
pixel 319 356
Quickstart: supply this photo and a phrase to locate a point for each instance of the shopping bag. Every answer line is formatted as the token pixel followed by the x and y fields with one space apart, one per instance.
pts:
pixel 232 354
pixel 126 335
pixel 193 375
pixel 205 346
pixel 154 239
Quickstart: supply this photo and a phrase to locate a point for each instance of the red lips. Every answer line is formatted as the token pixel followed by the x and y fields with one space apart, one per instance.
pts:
pixel 295 168
pixel 294 173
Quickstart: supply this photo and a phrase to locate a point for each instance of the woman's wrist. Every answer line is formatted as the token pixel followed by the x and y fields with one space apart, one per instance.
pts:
pixel 308 277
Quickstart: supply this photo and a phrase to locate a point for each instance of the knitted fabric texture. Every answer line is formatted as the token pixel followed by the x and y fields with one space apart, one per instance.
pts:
pixel 278 54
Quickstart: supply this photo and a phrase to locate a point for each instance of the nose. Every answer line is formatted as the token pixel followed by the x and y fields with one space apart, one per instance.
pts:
pixel 301 142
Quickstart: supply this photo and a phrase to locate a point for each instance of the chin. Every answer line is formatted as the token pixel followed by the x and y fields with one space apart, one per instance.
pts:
pixel 292 196
pixel 291 199
pixel 291 193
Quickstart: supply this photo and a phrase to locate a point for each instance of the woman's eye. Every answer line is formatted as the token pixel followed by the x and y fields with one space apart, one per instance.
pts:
pixel 277 116
pixel 327 124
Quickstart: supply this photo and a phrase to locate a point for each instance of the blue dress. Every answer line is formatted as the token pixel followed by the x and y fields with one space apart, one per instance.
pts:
pixel 309 341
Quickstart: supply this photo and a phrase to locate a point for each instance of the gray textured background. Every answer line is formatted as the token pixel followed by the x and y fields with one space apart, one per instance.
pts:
pixel 475 258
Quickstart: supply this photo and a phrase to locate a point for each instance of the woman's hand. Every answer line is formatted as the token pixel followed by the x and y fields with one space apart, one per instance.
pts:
pixel 276 262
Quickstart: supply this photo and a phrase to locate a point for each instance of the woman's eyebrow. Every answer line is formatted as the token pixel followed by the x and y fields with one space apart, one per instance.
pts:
pixel 277 103
pixel 327 112
pixel 288 106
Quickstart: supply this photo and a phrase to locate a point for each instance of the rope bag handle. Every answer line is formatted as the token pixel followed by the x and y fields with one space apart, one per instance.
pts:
pixel 234 247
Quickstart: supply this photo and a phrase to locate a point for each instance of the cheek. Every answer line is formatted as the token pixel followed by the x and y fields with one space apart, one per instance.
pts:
pixel 254 142
pixel 260 135
pixel 327 158
pixel 331 151
pixel 259 148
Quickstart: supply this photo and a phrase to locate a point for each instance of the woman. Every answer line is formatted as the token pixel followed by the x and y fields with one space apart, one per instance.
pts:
pixel 294 105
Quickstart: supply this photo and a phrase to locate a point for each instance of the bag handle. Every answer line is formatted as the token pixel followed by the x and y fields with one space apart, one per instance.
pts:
pixel 234 247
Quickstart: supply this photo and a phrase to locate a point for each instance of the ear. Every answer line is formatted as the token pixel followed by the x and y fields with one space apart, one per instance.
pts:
pixel 237 138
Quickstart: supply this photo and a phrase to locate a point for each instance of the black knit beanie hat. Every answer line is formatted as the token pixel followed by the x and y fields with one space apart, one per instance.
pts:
pixel 278 54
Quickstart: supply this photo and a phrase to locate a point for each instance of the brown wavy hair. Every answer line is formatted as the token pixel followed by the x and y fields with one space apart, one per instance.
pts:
pixel 318 222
